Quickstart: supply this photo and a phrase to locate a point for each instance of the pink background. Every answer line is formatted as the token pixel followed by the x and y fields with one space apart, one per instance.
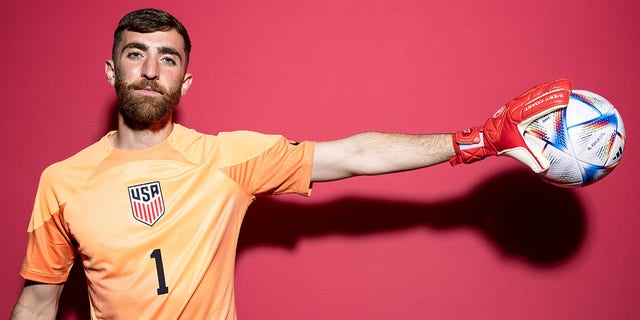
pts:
pixel 485 241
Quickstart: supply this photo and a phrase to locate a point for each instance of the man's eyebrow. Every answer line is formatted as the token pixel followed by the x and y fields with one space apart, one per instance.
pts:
pixel 171 51
pixel 135 45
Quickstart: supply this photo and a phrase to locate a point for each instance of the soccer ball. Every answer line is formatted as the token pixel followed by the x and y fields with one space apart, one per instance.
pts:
pixel 583 142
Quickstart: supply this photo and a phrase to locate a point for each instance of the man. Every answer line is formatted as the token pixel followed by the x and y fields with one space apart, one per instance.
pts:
pixel 154 209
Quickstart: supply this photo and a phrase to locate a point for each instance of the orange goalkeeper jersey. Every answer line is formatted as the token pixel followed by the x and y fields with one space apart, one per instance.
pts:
pixel 156 229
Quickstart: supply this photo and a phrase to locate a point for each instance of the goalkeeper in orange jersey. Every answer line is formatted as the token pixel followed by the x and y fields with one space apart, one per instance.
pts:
pixel 154 209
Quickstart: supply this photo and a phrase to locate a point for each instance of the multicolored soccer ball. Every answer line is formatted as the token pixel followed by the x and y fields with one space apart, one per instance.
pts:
pixel 583 142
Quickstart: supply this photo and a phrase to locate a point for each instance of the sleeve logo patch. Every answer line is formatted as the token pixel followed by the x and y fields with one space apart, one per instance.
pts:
pixel 147 203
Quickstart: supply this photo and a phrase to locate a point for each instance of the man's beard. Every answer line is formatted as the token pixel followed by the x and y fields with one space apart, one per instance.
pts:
pixel 143 112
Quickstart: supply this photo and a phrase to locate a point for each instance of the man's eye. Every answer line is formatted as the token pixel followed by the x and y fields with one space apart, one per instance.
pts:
pixel 169 60
pixel 134 55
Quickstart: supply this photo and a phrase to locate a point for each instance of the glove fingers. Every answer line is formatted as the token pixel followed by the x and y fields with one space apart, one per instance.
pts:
pixel 540 100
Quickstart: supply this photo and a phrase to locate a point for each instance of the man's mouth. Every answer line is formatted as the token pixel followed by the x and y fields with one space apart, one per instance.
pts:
pixel 147 87
pixel 147 91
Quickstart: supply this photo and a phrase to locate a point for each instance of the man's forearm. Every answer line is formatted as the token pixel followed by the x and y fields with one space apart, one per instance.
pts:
pixel 37 301
pixel 373 153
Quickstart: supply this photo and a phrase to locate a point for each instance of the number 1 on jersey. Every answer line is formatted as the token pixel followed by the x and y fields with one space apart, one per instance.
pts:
pixel 162 284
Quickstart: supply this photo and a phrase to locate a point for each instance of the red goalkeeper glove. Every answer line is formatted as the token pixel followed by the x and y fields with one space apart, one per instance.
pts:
pixel 502 134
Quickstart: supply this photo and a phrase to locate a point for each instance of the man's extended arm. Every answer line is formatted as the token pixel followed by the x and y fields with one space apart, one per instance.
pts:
pixel 37 301
pixel 502 134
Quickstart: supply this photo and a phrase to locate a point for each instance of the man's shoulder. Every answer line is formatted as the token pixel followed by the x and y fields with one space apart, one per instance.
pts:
pixel 81 162
pixel 247 144
pixel 185 133
pixel 248 137
pixel 226 147
pixel 229 140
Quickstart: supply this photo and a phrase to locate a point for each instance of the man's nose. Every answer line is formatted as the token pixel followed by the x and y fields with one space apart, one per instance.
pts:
pixel 150 69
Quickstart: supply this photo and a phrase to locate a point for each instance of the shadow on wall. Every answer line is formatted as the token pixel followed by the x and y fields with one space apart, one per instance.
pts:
pixel 522 215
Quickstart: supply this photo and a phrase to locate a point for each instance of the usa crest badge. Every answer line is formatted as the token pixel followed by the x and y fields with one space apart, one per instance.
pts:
pixel 147 203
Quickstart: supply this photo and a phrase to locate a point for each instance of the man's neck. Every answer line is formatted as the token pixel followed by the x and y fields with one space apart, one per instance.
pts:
pixel 128 138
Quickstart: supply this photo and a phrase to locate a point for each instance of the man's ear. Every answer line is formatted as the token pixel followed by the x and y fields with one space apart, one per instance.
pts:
pixel 186 83
pixel 110 72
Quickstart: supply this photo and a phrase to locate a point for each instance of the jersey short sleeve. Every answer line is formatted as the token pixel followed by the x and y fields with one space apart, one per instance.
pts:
pixel 50 249
pixel 283 167
pixel 50 253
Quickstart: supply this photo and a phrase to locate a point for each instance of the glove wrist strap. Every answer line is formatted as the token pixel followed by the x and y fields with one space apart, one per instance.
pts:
pixel 469 145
